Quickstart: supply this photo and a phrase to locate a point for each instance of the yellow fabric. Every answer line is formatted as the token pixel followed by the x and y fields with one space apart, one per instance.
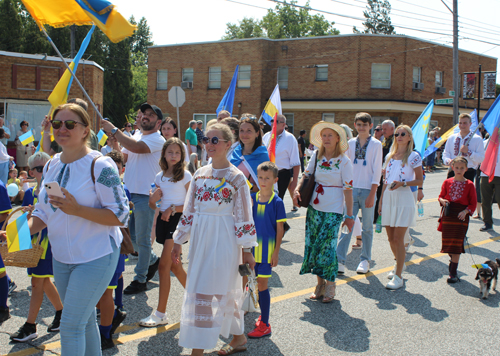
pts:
pixel 60 93
pixel 445 136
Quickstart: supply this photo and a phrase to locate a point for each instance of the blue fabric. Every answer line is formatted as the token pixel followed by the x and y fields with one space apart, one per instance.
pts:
pixel 421 128
pixel 263 270
pixel 5 204
pixel 4 172
pixel 257 157
pixel 227 101
pixel 105 331
pixel 119 293
pixel 127 192
pixel 265 306
pixel 79 331
pixel 491 119
pixel 120 267
pixel 4 290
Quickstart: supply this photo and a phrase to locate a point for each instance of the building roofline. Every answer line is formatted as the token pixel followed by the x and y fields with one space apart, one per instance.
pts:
pixel 47 58
pixel 316 37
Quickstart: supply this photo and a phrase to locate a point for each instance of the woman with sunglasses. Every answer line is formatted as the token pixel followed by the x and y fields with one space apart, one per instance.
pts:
pixel 84 233
pixel 217 218
pixel 23 152
pixel 127 129
pixel 403 168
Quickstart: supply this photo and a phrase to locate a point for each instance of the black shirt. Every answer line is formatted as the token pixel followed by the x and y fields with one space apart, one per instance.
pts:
pixel 302 144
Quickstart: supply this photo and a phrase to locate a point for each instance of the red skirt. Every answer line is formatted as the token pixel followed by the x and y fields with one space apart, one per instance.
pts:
pixel 453 230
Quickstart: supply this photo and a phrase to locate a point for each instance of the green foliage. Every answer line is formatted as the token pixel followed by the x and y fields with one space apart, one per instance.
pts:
pixel 11 27
pixel 377 17
pixel 284 21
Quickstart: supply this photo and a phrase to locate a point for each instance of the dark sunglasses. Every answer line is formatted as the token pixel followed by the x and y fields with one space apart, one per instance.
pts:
pixel 278 122
pixel 25 125
pixel 128 126
pixel 378 129
pixel 214 140
pixel 39 169
pixel 70 124
pixel 403 134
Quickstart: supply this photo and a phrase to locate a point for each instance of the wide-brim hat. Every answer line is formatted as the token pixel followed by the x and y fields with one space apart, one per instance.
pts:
pixel 315 136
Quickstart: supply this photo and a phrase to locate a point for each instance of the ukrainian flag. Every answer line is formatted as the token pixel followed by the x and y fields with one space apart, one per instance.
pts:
pixel 421 129
pixel 273 106
pixel 18 234
pixel 102 137
pixel 27 138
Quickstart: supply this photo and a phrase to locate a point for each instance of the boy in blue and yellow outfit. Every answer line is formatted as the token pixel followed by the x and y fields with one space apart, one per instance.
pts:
pixel 269 217
pixel 5 209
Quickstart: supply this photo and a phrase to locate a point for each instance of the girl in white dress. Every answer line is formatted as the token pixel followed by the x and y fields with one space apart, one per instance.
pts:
pixel 217 218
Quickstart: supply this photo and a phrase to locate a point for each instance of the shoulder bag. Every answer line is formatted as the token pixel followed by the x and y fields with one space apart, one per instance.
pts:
pixel 306 189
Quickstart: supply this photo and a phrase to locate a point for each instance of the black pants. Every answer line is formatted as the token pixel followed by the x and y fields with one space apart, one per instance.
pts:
pixel 489 191
pixel 379 193
pixel 470 174
pixel 284 176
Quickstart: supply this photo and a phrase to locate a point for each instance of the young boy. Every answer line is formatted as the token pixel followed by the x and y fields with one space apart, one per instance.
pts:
pixel 5 209
pixel 13 179
pixel 269 217
pixel 365 152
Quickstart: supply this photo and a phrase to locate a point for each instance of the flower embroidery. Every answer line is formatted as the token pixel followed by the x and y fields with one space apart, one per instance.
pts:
pixel 326 166
pixel 338 164
pixel 348 185
pixel 456 190
pixel 225 193
pixel 187 220
pixel 245 229
pixel 205 193
pixel 206 196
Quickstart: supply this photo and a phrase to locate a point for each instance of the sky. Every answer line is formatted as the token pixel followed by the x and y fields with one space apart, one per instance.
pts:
pixel 188 21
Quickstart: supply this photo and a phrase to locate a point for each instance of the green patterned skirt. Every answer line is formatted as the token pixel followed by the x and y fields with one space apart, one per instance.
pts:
pixel 320 254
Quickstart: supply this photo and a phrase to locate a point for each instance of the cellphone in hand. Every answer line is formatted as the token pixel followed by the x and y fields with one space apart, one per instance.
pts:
pixel 244 270
pixel 54 189
pixel 393 185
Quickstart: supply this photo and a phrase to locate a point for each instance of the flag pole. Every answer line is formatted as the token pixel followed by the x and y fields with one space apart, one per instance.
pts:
pixel 73 75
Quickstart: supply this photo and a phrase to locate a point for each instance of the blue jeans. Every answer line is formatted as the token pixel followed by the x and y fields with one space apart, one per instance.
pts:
pixel 140 225
pixel 359 197
pixel 80 287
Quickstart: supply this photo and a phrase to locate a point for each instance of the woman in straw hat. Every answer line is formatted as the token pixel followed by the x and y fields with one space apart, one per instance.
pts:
pixel 403 168
pixel 325 213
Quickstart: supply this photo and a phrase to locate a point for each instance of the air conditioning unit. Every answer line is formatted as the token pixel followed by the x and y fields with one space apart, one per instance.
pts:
pixel 440 90
pixel 187 85
pixel 418 86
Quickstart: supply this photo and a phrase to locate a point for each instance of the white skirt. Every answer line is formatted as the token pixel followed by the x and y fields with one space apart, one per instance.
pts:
pixel 398 208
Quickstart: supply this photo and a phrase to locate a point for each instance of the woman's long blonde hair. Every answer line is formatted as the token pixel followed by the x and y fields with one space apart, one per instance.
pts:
pixel 394 147
pixel 338 147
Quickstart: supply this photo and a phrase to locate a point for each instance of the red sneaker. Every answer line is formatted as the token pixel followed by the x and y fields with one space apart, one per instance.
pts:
pixel 257 323
pixel 260 331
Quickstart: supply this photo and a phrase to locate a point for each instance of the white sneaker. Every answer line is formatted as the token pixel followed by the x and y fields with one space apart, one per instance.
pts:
pixel 393 272
pixel 153 320
pixel 395 283
pixel 407 246
pixel 363 267
pixel 341 268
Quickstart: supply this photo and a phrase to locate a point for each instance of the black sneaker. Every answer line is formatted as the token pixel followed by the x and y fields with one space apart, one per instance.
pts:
pixel 25 333
pixel 4 314
pixel 117 320
pixel 453 279
pixel 486 227
pixel 106 343
pixel 135 287
pixel 56 323
pixel 152 270
pixel 12 286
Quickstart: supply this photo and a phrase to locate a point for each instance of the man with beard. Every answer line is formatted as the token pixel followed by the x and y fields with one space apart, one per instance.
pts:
pixel 142 155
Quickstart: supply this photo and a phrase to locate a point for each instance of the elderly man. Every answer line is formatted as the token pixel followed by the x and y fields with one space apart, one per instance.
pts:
pixel 142 153
pixel 378 133
pixel 388 128
pixel 287 156
pixel 6 130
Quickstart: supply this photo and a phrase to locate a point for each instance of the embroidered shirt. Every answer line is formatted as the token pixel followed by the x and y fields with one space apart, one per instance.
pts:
pixel 460 192
pixel 365 176
pixel 476 150
pixel 397 171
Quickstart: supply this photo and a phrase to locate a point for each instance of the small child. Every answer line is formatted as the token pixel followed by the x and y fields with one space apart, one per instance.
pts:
pixel 13 179
pixel 25 181
pixel 41 274
pixel 458 196
pixel 172 185
pixel 269 216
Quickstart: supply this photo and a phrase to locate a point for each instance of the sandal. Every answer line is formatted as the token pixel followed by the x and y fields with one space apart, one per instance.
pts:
pixel 358 245
pixel 229 350
pixel 319 292
pixel 152 321
pixel 329 293
pixel 477 216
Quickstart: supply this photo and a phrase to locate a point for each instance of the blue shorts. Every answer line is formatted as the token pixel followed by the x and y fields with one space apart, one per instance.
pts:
pixel 118 272
pixel 263 270
pixel 44 267
pixel 2 266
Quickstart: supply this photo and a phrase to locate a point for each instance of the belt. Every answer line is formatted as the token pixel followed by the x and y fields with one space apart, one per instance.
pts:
pixel 319 190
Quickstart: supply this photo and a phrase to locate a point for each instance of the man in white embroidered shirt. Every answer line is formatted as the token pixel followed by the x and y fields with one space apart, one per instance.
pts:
pixel 287 156
pixel 465 144
pixel 365 153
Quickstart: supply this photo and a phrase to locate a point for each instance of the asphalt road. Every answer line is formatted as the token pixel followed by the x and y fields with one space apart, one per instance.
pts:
pixel 426 317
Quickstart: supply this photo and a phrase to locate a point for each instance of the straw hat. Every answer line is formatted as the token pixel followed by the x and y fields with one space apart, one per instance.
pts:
pixel 315 136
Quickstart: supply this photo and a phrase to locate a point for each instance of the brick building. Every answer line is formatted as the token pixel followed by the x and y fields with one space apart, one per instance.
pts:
pixel 26 81
pixel 330 78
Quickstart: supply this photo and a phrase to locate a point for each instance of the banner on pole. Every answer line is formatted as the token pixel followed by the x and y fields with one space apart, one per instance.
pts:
pixel 469 85
pixel 489 87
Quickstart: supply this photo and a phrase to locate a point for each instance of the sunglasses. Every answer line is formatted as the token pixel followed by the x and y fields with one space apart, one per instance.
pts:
pixel 70 124
pixel 39 169
pixel 278 122
pixel 378 129
pixel 128 126
pixel 403 134
pixel 214 140
pixel 25 125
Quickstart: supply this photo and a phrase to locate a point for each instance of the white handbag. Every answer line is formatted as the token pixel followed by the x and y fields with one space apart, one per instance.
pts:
pixel 251 296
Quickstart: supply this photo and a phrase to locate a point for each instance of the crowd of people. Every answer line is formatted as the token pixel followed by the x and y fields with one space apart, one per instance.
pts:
pixel 219 191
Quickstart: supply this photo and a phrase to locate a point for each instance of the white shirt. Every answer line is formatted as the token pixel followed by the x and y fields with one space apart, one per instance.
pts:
pixel 125 132
pixel 7 131
pixel 172 193
pixel 406 173
pixel 186 154
pixel 106 149
pixel 365 176
pixel 142 167
pixel 476 150
pixel 74 239
pixel 4 157
pixel 287 150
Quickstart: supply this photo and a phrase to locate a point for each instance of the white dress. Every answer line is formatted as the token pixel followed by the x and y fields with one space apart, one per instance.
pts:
pixel 218 221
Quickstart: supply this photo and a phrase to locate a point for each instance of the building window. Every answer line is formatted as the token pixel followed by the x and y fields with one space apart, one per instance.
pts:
pixel 161 79
pixel 328 117
pixel 204 117
pixel 244 76
pixel 283 77
pixel 381 76
pixel 439 79
pixel 417 75
pixel 187 74
pixel 321 72
pixel 289 122
pixel 214 77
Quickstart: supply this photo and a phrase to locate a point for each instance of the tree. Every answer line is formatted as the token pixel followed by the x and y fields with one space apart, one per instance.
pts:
pixel 284 21
pixel 377 17
pixel 140 42
pixel 11 27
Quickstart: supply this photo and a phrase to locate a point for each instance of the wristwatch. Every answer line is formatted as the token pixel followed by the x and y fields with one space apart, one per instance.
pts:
pixel 420 188
pixel 404 184
pixel 113 131
pixel 349 217
pixel 247 249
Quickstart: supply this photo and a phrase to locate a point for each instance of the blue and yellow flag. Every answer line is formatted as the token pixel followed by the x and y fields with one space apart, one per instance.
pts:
pixel 61 13
pixel 421 129
pixel 18 234
pixel 273 106
pixel 102 137
pixel 27 138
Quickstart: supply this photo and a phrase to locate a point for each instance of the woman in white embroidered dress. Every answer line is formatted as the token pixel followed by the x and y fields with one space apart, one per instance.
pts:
pixel 397 204
pixel 217 219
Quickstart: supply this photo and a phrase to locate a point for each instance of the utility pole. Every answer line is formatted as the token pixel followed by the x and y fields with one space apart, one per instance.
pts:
pixel 73 30
pixel 479 95
pixel 456 78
